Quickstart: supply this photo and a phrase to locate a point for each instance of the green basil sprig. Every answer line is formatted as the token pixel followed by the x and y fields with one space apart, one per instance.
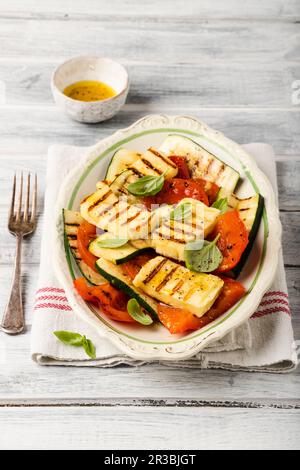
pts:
pixel 221 204
pixel 147 185
pixel 112 242
pixel 203 259
pixel 75 339
pixel 135 311
pixel 182 211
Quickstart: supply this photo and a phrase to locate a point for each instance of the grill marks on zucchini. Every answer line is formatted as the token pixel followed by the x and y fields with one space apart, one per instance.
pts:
pixel 202 163
pixel 252 211
pixel 72 220
pixel 247 208
pixel 120 162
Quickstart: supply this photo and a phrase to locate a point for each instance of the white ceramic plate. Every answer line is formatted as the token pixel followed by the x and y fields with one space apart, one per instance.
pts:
pixel 156 342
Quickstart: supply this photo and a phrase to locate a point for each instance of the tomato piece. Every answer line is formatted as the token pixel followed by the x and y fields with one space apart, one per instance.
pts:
pixel 175 189
pixel 180 162
pixel 232 291
pixel 86 233
pixel 112 301
pixel 233 239
pixel 211 189
pixel 133 266
pixel 179 320
pixel 84 290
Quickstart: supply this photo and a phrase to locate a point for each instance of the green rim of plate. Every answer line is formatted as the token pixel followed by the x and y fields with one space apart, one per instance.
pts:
pixel 255 187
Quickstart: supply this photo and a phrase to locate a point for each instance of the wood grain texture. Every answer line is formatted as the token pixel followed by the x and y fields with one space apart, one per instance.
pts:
pixel 152 39
pixel 209 84
pixel 196 428
pixel 70 9
pixel 38 127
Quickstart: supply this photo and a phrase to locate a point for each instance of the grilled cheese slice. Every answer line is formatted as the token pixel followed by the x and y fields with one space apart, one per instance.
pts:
pixel 177 286
pixel 154 163
pixel 110 213
pixel 170 236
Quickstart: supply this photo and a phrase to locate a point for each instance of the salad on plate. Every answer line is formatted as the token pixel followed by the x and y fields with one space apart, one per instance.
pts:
pixel 163 238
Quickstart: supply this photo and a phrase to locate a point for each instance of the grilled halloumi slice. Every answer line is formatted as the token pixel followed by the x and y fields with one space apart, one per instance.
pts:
pixel 108 212
pixel 177 286
pixel 170 236
pixel 154 162
pixel 93 206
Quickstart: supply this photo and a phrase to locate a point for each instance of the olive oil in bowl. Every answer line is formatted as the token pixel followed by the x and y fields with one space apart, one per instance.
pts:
pixel 89 90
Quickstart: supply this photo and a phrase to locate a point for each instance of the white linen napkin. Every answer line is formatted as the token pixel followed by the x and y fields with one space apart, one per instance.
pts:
pixel 263 343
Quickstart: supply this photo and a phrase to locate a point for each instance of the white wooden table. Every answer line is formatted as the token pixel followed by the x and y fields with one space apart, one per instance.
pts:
pixel 232 64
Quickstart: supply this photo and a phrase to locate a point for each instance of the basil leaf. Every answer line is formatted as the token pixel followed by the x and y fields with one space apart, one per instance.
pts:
pixel 147 185
pixel 221 204
pixel 112 242
pixel 135 311
pixel 75 339
pixel 182 211
pixel 196 245
pixel 89 348
pixel 205 260
pixel 69 338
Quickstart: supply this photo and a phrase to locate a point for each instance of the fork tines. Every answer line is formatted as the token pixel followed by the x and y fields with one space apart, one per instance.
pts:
pixel 24 214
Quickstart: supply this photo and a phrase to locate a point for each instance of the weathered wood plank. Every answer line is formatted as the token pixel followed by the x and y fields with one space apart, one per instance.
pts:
pixel 196 428
pixel 20 379
pixel 211 84
pixel 41 126
pixel 288 184
pixel 277 9
pixel 152 40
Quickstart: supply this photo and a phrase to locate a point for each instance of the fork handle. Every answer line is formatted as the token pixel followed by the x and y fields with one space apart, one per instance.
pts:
pixel 13 318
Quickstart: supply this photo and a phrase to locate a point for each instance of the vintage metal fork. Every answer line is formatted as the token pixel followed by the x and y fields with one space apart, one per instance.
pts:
pixel 21 222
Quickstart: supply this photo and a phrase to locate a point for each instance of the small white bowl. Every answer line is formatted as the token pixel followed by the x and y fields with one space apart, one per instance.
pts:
pixel 90 68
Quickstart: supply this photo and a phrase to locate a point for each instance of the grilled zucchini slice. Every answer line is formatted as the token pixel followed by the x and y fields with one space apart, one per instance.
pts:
pixel 115 275
pixel 151 163
pixel 121 160
pixel 251 211
pixel 249 208
pixel 115 255
pixel 202 163
pixel 177 286
pixel 72 220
